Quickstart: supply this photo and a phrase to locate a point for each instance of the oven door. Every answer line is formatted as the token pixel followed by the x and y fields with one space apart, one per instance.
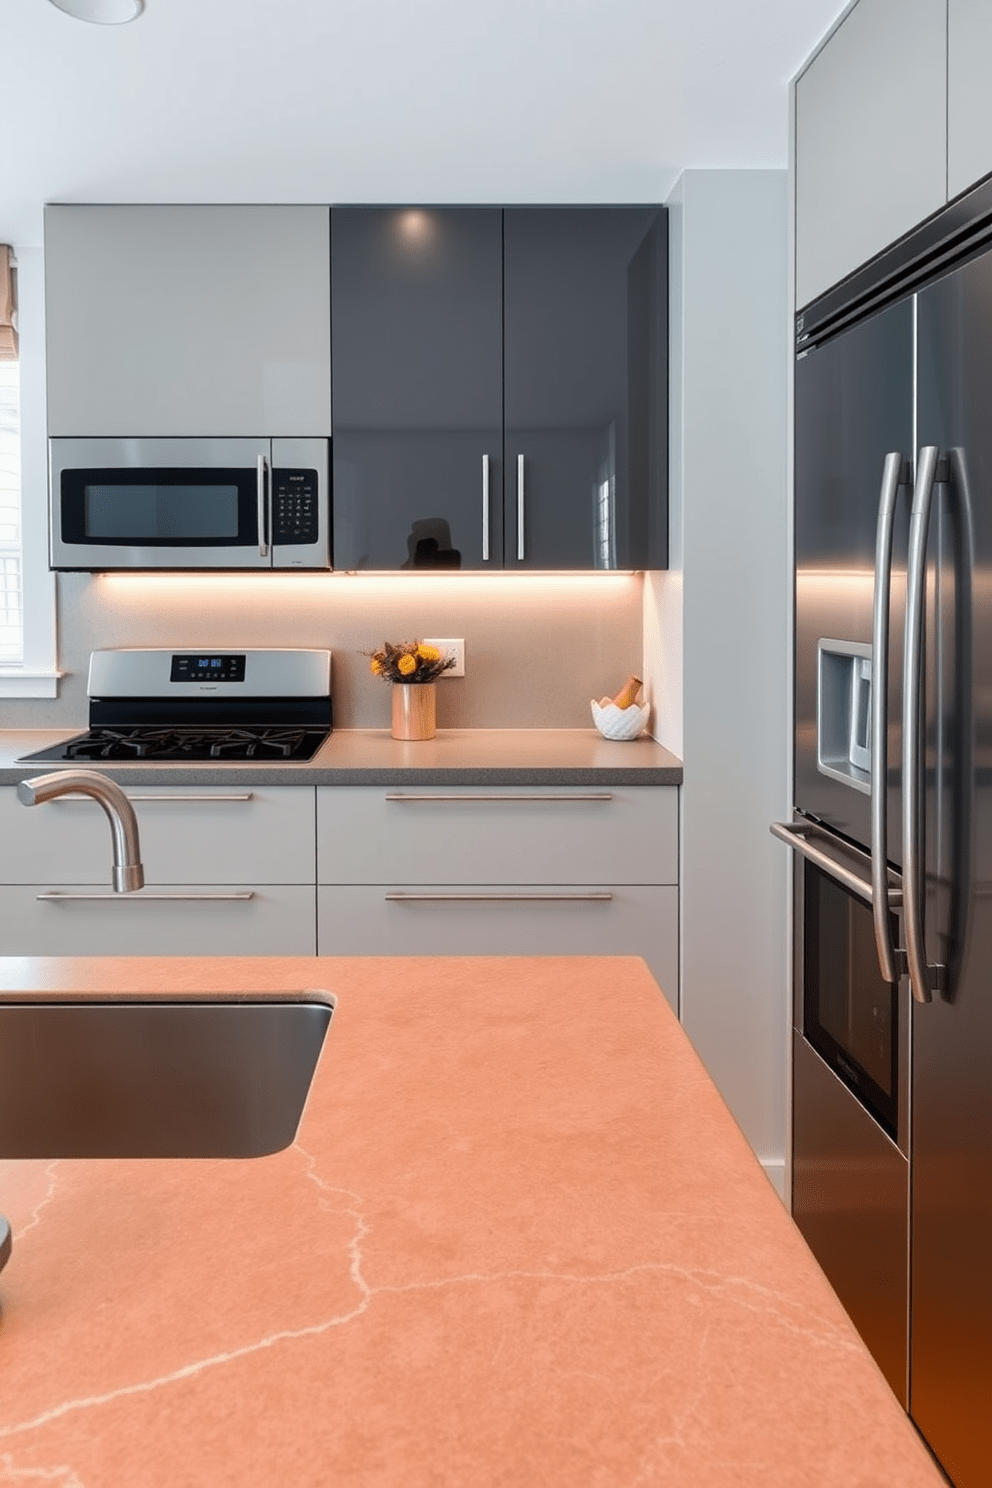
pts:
pixel 160 503
pixel 850 1015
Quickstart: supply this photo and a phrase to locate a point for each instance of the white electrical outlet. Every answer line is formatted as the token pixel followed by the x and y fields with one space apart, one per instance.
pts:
pixel 450 648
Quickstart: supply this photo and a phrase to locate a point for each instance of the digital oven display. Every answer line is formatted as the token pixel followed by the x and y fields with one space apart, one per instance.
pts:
pixel 207 669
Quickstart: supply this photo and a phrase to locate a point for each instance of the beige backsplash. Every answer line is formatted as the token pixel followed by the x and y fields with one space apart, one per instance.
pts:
pixel 538 647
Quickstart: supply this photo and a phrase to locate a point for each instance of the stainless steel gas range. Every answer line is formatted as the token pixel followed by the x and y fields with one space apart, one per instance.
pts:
pixel 159 705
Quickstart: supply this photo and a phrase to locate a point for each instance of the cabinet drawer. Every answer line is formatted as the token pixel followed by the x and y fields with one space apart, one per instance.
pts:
pixel 500 920
pixel 210 836
pixel 475 835
pixel 199 920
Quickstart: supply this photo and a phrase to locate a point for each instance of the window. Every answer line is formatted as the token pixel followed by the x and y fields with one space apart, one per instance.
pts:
pixel 11 606
pixel 27 588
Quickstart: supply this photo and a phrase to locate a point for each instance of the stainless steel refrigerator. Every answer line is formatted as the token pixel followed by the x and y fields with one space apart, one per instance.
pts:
pixel 892 1040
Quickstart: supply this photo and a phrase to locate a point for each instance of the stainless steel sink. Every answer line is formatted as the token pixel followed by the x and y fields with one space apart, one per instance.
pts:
pixel 156 1079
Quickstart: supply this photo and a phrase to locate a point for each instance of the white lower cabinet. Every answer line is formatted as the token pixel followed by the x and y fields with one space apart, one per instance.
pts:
pixel 175 920
pixel 228 872
pixel 372 871
pixel 500 871
pixel 503 920
pixel 196 834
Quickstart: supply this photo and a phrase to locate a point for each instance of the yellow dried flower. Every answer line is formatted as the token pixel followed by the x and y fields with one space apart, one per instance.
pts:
pixel 409 661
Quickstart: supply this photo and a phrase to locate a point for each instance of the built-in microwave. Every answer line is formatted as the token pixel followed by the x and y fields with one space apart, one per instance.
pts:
pixel 189 503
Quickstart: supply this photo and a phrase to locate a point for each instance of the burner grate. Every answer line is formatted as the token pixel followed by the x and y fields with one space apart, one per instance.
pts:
pixel 145 743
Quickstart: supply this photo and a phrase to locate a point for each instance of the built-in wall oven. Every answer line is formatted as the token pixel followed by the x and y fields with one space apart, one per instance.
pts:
pixel 189 503
pixel 851 1108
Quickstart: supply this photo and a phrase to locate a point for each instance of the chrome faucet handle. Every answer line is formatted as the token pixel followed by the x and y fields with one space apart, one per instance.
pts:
pixel 128 872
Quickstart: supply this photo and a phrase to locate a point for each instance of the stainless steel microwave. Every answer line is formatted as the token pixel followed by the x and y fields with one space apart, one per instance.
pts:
pixel 189 503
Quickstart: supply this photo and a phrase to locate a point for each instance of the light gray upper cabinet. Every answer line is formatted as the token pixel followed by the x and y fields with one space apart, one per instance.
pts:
pixel 871 136
pixel 188 320
pixel 969 97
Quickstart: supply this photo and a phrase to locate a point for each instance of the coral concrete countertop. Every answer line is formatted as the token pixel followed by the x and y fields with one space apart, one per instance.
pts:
pixel 519 1241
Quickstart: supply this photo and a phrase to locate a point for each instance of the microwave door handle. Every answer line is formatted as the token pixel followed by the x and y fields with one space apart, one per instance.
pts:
pixel 891 961
pixel 923 978
pixel 263 527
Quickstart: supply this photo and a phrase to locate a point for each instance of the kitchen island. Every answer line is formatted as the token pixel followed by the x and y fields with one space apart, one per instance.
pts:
pixel 518 1240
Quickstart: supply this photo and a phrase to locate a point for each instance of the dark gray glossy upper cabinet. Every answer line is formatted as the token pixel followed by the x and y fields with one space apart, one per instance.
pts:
pixel 585 387
pixel 417 391
pixel 499 372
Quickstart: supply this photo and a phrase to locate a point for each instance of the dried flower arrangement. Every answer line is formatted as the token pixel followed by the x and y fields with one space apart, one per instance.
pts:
pixel 412 661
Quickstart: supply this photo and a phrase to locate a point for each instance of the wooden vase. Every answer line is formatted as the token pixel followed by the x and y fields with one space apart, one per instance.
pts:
pixel 414 710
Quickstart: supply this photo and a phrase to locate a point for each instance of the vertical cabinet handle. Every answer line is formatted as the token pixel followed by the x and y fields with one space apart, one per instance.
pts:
pixel 892 962
pixel 485 508
pixel 520 508
pixel 922 978
pixel 263 526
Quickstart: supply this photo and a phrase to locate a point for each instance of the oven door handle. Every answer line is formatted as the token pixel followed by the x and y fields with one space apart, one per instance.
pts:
pixel 891 961
pixel 851 868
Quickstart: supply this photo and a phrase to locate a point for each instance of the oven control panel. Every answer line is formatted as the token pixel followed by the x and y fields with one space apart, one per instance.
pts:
pixel 213 668
pixel 294 506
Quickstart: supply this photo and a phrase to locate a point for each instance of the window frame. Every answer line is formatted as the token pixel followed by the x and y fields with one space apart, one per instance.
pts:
pixel 38 674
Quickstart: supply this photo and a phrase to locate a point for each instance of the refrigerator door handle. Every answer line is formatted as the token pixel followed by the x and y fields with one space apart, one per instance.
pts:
pixel 923 979
pixel 892 962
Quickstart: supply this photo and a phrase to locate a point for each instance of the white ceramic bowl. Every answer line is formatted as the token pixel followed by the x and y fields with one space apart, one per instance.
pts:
pixel 620 723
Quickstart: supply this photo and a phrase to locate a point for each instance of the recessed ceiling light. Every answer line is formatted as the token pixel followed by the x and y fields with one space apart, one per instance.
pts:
pixel 104 12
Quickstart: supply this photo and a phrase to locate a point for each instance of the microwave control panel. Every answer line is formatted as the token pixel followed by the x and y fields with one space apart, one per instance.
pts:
pixel 294 506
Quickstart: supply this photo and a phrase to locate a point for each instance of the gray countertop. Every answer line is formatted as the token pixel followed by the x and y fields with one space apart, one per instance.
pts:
pixel 373 757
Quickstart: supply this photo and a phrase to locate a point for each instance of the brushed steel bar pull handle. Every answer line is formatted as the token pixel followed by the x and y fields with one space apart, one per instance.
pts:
pixel 520 508
pixel 922 978
pixel 805 839
pixel 213 800
pixel 485 508
pixel 403 796
pixel 193 800
pixel 497 898
pixel 263 544
pixel 892 962
pixel 56 896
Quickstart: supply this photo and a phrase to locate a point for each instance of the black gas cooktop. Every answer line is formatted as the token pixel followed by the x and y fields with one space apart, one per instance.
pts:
pixel 143 743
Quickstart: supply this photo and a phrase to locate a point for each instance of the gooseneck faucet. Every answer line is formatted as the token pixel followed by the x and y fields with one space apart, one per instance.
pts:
pixel 128 872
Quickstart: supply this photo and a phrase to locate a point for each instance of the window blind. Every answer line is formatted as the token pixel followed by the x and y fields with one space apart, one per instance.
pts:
pixel 8 305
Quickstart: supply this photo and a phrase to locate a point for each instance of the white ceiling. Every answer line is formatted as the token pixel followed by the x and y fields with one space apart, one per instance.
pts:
pixel 391 100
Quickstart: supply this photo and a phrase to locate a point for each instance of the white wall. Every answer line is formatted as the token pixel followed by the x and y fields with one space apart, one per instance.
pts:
pixel 537 647
pixel 724 606
pixel 441 101
pixel 663 600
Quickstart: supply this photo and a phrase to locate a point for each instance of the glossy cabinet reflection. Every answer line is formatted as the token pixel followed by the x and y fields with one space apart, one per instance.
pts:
pixel 417 387
pixel 499 387
pixel 585 387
